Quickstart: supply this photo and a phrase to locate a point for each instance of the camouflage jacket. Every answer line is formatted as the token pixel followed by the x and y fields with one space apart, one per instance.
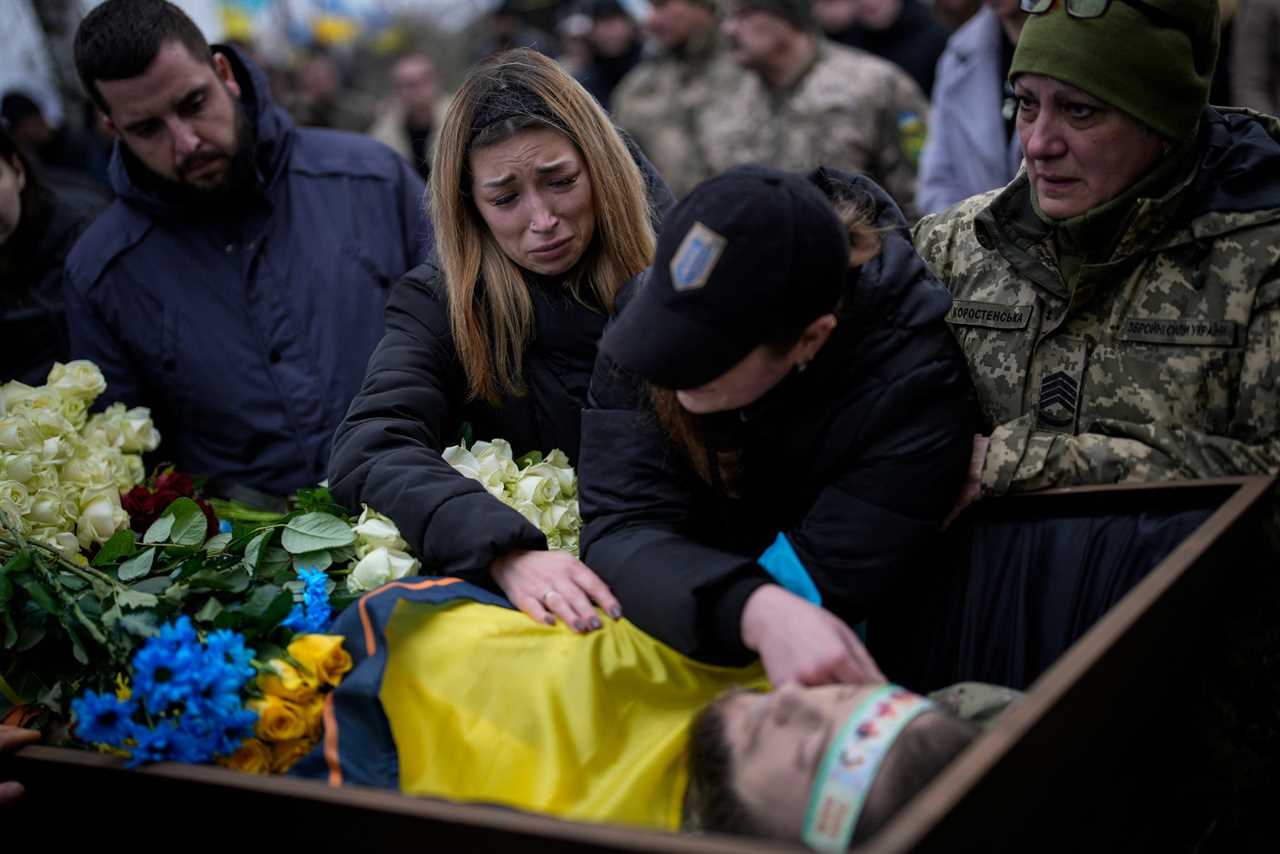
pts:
pixel 663 103
pixel 1161 363
pixel 850 111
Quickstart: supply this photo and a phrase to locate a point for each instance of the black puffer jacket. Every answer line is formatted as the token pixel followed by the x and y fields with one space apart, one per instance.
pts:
pixel 387 453
pixel 33 316
pixel 856 461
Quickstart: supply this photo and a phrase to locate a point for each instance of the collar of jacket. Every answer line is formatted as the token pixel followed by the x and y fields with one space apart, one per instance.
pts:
pixel 1234 184
pixel 273 128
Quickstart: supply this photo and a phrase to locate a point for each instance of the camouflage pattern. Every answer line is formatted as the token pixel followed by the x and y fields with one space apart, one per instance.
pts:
pixel 1162 363
pixel 850 111
pixel 976 702
pixel 663 104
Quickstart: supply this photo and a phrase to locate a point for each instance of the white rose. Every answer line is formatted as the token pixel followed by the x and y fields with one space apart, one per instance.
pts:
pixel 378 567
pixel 490 473
pixel 140 434
pixel 15 499
pixel 559 463
pixel 100 516
pixel 17 433
pixel 19 467
pixel 50 509
pixel 93 466
pixel 80 379
pixel 373 531
pixel 535 488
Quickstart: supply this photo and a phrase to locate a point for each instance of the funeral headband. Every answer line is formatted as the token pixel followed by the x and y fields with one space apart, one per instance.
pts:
pixel 851 762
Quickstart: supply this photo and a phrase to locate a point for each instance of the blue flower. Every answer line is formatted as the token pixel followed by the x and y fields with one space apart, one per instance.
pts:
pixel 313 614
pixel 164 742
pixel 224 527
pixel 162 674
pixel 102 719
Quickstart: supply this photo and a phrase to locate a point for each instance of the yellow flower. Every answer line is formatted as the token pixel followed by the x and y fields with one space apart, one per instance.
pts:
pixel 287 682
pixel 323 656
pixel 251 757
pixel 278 720
pixel 285 753
pixel 123 690
pixel 313 712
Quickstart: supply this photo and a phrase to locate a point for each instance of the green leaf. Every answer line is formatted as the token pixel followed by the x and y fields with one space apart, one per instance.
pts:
pixel 217 544
pixel 340 600
pixel 235 581
pixel 120 545
pixel 111 616
pixel 39 594
pixel 136 599
pixel 275 560
pixel 20 562
pixel 211 609
pixel 343 554
pixel 189 523
pixel 270 613
pixel 74 583
pixel 253 551
pixel 530 459
pixel 32 634
pixel 175 594
pixel 159 530
pixel 52 698
pixel 320 560
pixel 259 602
pixel 137 566
pixel 315 531
pixel 156 584
pixel 77 647
pixel 142 625
pixel 10 631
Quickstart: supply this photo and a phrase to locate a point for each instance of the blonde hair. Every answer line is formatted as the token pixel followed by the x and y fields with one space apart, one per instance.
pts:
pixel 490 309
pixel 684 429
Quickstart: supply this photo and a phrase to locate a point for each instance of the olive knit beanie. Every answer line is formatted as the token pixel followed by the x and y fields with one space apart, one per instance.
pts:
pixel 1153 59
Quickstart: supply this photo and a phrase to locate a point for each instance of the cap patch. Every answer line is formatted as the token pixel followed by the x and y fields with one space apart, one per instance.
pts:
pixel 697 256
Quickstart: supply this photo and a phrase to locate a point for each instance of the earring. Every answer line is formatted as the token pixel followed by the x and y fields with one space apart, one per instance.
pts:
pixel 800 366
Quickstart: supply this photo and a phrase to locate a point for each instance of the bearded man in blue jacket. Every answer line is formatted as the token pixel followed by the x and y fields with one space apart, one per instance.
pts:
pixel 236 286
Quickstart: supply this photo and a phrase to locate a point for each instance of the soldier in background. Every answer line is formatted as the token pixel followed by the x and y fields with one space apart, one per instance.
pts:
pixel 1119 302
pixel 808 102
pixel 662 102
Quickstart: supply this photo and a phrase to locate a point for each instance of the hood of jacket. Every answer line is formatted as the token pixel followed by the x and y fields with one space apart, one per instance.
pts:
pixel 272 127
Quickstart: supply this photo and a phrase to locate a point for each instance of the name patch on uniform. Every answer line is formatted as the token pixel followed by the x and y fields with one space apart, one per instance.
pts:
pixel 1154 330
pixel 697 256
pixel 989 314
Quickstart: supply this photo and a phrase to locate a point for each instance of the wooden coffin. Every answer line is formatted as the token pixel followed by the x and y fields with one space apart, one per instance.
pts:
pixel 1057 772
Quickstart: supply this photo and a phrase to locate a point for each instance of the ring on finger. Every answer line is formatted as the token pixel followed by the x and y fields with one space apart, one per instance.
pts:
pixel 546 594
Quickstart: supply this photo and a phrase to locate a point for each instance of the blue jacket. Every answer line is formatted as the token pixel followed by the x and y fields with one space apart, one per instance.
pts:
pixel 247 331
pixel 968 150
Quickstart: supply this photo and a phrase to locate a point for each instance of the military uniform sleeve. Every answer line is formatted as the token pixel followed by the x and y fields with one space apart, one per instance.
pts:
pixel 903 131
pixel 387 452
pixel 1021 458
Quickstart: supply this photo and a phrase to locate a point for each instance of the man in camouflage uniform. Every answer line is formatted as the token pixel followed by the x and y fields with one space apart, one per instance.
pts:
pixel 1119 301
pixel 809 102
pixel 663 101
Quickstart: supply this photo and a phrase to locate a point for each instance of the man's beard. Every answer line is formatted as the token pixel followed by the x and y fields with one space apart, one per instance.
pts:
pixel 239 178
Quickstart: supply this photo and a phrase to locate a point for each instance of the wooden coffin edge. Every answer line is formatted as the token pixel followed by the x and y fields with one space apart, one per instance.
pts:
pixel 906 831
pixel 910 828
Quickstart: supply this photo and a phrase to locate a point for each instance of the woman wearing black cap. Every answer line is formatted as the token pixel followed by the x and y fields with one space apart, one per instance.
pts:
pixel 779 421
pixel 541 213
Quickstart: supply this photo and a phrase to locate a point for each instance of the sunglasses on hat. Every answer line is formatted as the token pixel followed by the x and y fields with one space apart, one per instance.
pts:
pixel 1098 8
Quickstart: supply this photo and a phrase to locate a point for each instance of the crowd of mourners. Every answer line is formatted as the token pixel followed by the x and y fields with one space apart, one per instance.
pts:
pixel 793 283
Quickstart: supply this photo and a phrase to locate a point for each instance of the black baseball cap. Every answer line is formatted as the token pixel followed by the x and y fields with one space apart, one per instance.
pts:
pixel 746 254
